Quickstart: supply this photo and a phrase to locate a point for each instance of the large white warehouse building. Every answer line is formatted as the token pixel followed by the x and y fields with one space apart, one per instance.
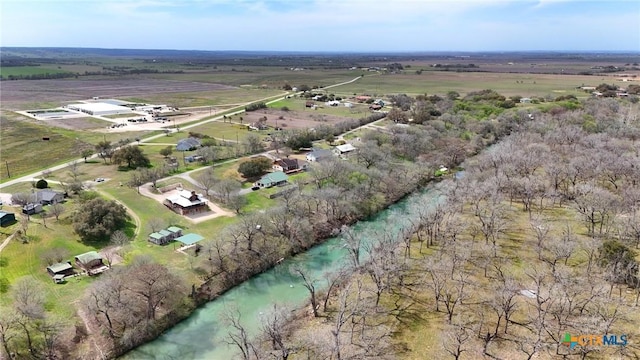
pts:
pixel 99 108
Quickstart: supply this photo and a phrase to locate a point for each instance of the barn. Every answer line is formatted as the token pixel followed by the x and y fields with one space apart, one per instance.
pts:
pixel 7 218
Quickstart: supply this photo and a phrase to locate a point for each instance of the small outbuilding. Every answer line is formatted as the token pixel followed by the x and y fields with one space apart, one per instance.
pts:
pixel 175 231
pixel 32 208
pixel 7 218
pixel 89 261
pixel 344 149
pixel 59 271
pixel 189 239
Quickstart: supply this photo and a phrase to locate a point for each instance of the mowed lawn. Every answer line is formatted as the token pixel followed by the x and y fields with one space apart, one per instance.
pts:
pixel 25 259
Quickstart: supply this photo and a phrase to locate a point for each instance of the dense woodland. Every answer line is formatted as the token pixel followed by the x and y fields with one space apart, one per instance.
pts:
pixel 552 209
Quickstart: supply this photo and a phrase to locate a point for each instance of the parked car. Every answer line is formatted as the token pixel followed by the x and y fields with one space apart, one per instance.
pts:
pixel 99 179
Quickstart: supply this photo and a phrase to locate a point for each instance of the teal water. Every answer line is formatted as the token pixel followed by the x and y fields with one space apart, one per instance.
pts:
pixel 202 335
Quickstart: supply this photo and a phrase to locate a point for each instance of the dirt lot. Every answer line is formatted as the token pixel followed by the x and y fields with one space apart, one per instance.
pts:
pixel 83 123
pixel 15 93
pixel 292 119
pixel 154 125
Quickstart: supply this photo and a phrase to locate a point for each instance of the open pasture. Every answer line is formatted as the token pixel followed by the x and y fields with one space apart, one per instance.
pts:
pixel 266 76
pixel 441 82
pixel 303 119
pixel 28 70
pixel 16 93
pixel 23 149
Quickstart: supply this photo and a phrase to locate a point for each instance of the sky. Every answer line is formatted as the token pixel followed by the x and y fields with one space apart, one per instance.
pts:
pixel 324 25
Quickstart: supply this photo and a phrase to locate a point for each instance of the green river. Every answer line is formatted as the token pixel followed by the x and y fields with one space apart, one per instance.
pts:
pixel 202 335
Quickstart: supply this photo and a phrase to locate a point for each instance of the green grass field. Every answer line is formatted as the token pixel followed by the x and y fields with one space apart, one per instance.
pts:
pixel 29 70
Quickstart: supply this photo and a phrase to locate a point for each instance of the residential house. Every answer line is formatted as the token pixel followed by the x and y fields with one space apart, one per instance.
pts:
pixel 319 155
pixel 286 165
pixel 363 98
pixel 90 261
pixel 32 208
pixel 7 218
pixel 272 179
pixel 343 149
pixel 49 197
pixel 187 202
pixel 375 107
pixel 188 144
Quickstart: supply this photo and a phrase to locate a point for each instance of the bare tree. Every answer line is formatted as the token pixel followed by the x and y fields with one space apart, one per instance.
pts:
pixel 156 285
pixel 156 224
pixel 352 243
pixel 74 171
pixel 28 300
pixel 55 255
pixel 207 180
pixel 24 226
pixel 273 327
pixel 238 335
pixel 456 336
pixel 503 302
pixel 340 318
pixel 56 210
pixel 541 231
pixel 226 187
pixel 236 202
pixel 8 331
pixel 309 284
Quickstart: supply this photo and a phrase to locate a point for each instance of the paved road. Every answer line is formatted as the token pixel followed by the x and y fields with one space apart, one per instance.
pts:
pixel 239 110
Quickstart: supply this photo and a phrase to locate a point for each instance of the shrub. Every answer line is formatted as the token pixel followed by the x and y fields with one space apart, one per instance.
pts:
pixel 42 184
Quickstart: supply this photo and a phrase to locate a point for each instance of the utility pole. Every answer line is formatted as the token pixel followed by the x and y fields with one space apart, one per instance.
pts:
pixel 8 173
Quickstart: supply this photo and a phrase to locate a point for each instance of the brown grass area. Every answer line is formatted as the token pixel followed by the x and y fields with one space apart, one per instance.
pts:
pixel 292 119
pixel 16 94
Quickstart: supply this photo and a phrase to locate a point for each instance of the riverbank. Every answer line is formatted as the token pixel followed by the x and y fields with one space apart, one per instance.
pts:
pixel 204 333
pixel 222 284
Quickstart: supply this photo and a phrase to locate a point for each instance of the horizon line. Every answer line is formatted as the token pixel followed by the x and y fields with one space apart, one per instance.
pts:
pixel 332 51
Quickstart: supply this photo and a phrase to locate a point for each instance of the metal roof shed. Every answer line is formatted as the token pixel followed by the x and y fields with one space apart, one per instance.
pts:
pixel 189 239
